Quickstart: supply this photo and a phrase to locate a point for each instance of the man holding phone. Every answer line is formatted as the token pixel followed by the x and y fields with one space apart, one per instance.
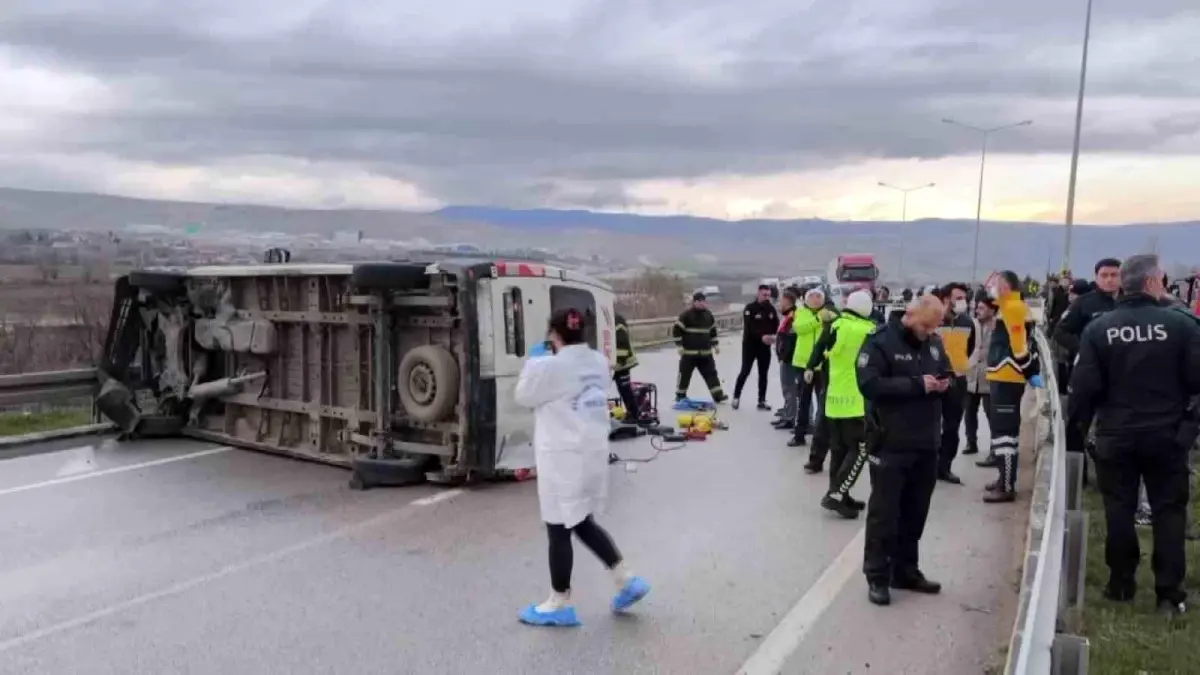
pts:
pixel 903 372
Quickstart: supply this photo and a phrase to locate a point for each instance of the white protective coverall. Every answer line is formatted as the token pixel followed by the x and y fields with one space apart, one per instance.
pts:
pixel 569 394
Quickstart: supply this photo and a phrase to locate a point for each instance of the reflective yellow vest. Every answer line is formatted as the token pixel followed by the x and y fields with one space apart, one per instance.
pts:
pixel 843 400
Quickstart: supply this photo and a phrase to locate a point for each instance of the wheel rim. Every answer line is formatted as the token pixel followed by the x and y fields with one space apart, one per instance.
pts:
pixel 422 384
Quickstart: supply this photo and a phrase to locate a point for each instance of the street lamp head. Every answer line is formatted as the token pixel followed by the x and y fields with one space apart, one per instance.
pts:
pixel 947 120
pixel 1025 123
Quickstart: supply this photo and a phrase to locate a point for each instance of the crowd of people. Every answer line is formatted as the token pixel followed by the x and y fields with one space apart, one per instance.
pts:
pixel 892 393
pixel 1129 353
pixel 888 392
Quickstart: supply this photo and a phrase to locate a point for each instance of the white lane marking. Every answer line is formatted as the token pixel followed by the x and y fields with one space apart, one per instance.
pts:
pixel 439 497
pixel 114 470
pixel 778 647
pixel 183 586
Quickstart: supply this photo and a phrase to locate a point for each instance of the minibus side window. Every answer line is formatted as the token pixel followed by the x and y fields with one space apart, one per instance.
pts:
pixel 514 322
pixel 563 297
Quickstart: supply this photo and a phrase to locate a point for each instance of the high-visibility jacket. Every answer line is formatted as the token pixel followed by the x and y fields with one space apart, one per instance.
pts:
pixel 1010 357
pixel 806 324
pixel 958 337
pixel 626 357
pixel 843 400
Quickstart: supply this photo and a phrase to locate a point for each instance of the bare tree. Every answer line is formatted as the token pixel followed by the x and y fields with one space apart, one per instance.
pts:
pixel 653 293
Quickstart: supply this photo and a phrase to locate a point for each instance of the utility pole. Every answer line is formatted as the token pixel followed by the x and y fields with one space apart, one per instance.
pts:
pixel 904 215
pixel 1087 33
pixel 984 133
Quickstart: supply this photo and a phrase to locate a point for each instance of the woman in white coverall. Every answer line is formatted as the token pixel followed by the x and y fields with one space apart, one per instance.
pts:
pixel 569 394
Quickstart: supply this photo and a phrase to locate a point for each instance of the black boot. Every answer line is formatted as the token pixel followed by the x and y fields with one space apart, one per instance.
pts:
pixel 762 405
pixel 839 507
pixel 784 425
pixel 948 476
pixel 879 594
pixel 813 468
pixel 1000 497
pixel 1120 592
pixel 1171 610
pixel 972 449
pixel 797 442
pixel 991 461
pixel 917 583
pixel 855 504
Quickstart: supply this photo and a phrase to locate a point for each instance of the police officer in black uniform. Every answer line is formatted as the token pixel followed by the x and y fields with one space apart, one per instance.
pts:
pixel 695 336
pixel 1067 332
pixel 903 372
pixel 760 321
pixel 1138 367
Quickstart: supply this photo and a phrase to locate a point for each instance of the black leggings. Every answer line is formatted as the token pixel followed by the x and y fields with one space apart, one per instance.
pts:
pixel 562 556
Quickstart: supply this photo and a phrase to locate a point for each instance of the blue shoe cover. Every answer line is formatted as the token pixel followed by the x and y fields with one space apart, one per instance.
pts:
pixel 635 589
pixel 559 617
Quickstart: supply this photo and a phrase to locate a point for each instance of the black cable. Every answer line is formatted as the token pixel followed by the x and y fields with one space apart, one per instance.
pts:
pixel 657 443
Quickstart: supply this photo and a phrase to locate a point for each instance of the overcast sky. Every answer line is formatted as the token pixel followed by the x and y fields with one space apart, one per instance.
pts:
pixel 781 108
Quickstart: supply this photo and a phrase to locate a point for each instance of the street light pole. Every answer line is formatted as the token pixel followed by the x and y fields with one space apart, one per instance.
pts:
pixel 984 133
pixel 904 215
pixel 1087 33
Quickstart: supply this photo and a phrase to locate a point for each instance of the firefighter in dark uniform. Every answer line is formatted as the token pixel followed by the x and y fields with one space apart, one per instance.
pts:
pixel 695 336
pixel 760 321
pixel 626 360
pixel 903 372
pixel 1138 367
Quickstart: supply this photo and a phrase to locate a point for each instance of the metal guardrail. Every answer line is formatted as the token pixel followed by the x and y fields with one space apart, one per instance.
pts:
pixel 47 387
pixel 650 332
pixel 58 386
pixel 1051 596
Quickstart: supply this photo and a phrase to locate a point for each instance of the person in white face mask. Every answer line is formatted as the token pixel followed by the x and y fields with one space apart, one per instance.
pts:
pixel 958 337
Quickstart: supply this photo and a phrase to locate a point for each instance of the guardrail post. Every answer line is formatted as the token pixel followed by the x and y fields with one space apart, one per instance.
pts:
pixel 1069 655
pixel 1074 569
pixel 1076 465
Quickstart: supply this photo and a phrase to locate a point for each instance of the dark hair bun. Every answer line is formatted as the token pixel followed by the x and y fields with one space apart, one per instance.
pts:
pixel 569 324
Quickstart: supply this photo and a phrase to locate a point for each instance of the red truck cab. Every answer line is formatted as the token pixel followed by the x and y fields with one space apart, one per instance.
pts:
pixel 855 269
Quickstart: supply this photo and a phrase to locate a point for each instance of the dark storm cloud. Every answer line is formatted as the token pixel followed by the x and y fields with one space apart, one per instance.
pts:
pixel 554 113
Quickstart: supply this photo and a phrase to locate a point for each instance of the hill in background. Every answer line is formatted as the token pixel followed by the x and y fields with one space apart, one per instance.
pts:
pixel 934 250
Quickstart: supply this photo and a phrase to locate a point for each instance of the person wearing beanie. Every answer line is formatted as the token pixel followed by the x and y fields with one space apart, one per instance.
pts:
pixel 845 408
pixel 810 320
pixel 695 334
pixel 568 392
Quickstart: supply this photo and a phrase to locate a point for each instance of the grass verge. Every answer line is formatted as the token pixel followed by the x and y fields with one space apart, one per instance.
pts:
pixel 19 423
pixel 1130 639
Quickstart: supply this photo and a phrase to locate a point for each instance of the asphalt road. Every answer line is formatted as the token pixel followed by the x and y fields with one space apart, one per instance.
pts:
pixel 183 557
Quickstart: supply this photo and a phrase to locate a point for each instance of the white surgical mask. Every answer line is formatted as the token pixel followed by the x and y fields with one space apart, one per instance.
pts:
pixel 960 306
